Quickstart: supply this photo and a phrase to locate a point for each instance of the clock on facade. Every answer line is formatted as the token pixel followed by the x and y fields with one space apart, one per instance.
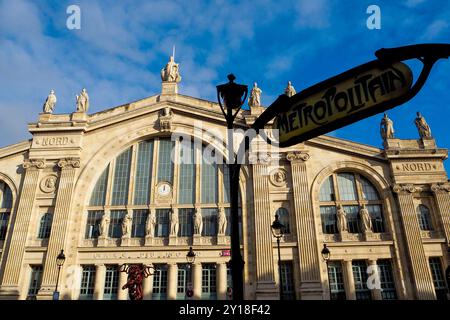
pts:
pixel 164 189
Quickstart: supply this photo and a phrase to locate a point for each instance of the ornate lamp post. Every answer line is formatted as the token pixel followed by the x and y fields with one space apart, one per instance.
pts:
pixel 190 258
pixel 277 231
pixel 60 259
pixel 231 97
pixel 326 257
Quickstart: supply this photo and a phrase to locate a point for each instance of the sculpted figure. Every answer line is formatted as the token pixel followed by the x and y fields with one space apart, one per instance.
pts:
pixel 290 90
pixel 50 102
pixel 366 222
pixel 386 128
pixel 174 224
pixel 104 223
pixel 151 223
pixel 255 97
pixel 171 71
pixel 126 225
pixel 198 222
pixel 221 222
pixel 422 126
pixel 83 101
pixel 341 219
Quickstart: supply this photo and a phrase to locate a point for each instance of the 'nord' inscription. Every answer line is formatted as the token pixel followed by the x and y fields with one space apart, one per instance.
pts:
pixel 417 167
pixel 55 141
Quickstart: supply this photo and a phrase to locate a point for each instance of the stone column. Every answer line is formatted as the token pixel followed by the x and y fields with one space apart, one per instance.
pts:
pixel 14 254
pixel 61 219
pixel 197 280
pixel 349 281
pixel 221 278
pixel 418 261
pixel 147 287
pixel 100 273
pixel 172 277
pixel 266 287
pixel 122 294
pixel 442 199
pixel 310 283
pixel 376 291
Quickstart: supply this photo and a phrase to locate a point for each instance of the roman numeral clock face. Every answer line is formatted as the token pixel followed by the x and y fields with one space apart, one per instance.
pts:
pixel 164 189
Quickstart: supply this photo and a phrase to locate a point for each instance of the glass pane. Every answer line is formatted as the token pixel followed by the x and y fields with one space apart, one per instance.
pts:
pixel 45 226
pixel 386 280
pixel 4 218
pixel 35 280
pixel 209 281
pixel 115 225
pixel 327 190
pixel 165 163
pixel 139 223
pixel 187 174
pixel 87 282
pixel 368 190
pixel 347 186
pixel 121 178
pixel 377 217
pixel 5 196
pixel 143 173
pixel 99 193
pixel 352 215
pixel 111 283
pixel 185 217
pixel 437 273
pixel 93 224
pixel 336 281
pixel 226 183
pixel 423 214
pixel 160 282
pixel 287 281
pixel 360 278
pixel 328 216
pixel 162 223
pixel 209 181
pixel 283 216
pixel 209 217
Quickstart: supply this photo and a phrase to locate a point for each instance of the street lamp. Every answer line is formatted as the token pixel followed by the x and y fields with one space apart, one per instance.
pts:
pixel 277 231
pixel 326 257
pixel 190 258
pixel 60 259
pixel 231 97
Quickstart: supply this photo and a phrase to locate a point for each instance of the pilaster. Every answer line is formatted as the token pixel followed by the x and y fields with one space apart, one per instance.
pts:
pixel 418 261
pixel 99 287
pixel 14 255
pixel 442 198
pixel 61 219
pixel 172 275
pixel 349 281
pixel 122 294
pixel 310 287
pixel 147 287
pixel 376 291
pixel 266 287
pixel 221 281
pixel 197 280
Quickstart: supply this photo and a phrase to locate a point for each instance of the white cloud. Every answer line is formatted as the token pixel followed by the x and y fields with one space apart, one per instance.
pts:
pixel 312 14
pixel 413 3
pixel 435 29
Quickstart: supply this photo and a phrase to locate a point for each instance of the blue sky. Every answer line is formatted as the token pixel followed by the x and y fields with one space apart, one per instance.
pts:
pixel 122 45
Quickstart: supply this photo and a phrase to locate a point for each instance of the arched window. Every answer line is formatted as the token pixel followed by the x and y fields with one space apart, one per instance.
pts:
pixel 423 214
pixel 197 178
pixel 351 191
pixel 45 226
pixel 283 216
pixel 5 208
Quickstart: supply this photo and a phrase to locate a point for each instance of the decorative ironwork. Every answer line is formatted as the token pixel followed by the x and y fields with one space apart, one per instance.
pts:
pixel 136 274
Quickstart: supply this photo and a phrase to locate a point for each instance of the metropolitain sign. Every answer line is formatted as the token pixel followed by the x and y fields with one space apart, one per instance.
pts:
pixel 353 95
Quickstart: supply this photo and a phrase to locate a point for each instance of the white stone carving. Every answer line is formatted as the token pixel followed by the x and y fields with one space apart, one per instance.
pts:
pixel 83 101
pixel 48 183
pixel 50 102
pixel 290 90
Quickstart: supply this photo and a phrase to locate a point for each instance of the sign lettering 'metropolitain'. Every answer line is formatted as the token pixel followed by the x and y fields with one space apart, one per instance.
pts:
pixel 351 97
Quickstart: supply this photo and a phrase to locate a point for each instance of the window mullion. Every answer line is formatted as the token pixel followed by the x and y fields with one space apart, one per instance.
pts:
pixel 154 175
pixel 132 174
pixel 109 184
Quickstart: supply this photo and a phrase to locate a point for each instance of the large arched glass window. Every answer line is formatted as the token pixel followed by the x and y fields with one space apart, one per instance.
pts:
pixel 5 208
pixel 45 226
pixel 198 179
pixel 283 216
pixel 423 214
pixel 351 191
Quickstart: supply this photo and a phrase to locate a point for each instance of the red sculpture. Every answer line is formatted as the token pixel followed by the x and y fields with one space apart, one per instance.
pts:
pixel 136 274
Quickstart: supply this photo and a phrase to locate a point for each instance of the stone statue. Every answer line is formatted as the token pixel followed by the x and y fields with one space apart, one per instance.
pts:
pixel 151 223
pixel 198 222
pixel 366 222
pixel 174 223
pixel 221 222
pixel 166 112
pixel 104 224
pixel 280 176
pixel 126 225
pixel 341 219
pixel 50 102
pixel 386 128
pixel 83 101
pixel 290 90
pixel 422 126
pixel 170 72
pixel 255 97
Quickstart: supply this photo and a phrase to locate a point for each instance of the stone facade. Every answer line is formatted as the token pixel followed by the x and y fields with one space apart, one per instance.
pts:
pixel 57 171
